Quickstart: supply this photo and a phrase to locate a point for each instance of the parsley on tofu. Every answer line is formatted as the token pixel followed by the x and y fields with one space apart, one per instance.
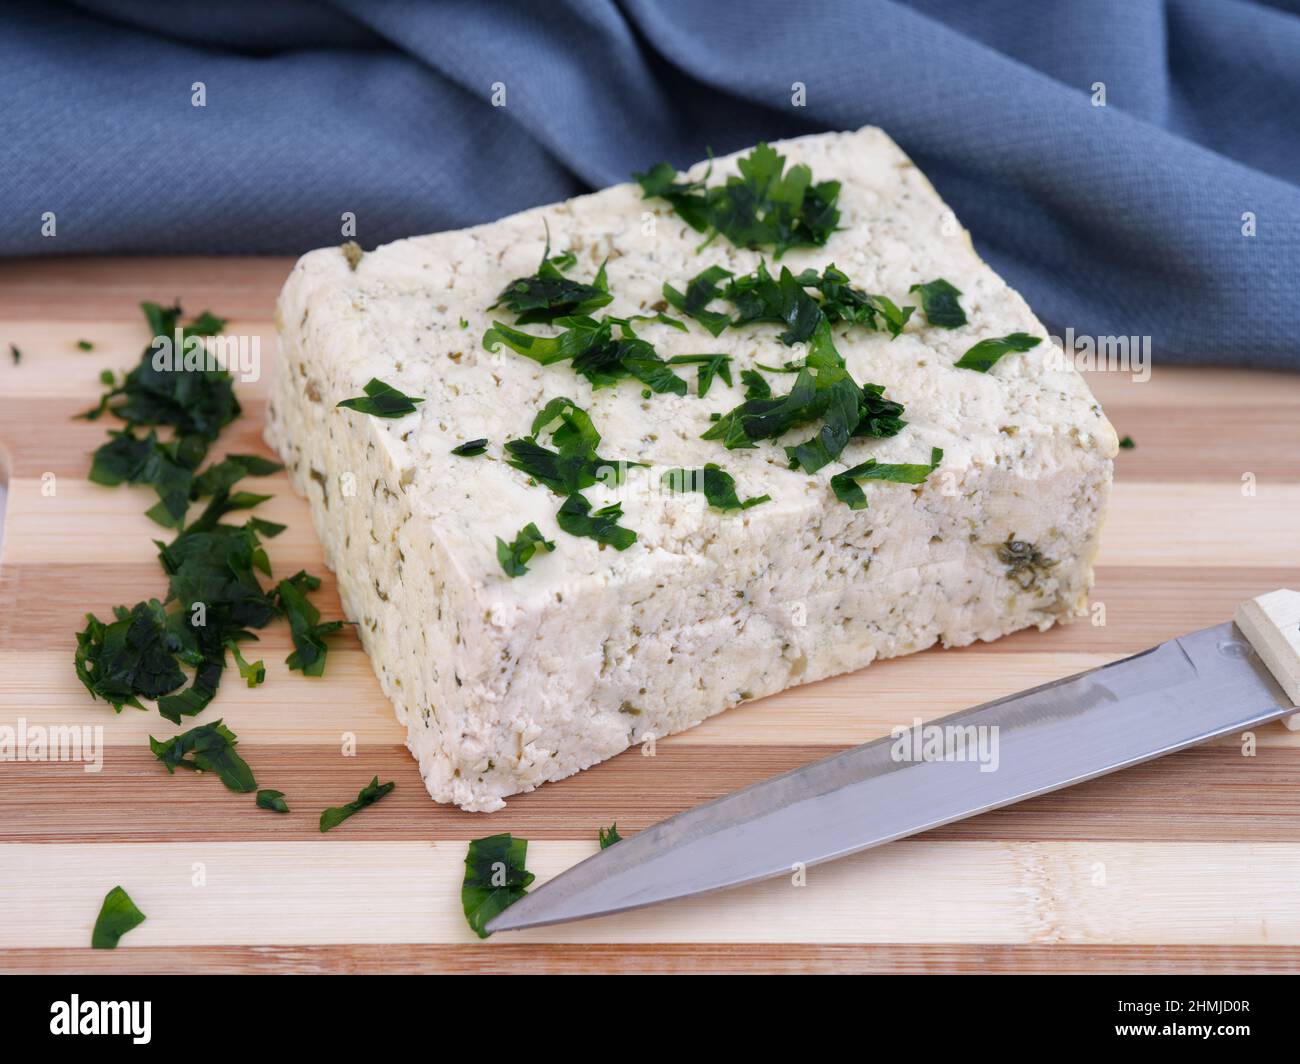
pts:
pixel 548 294
pixel 368 795
pixel 574 465
pixel 495 878
pixel 710 366
pixel 470 448
pixel 515 556
pixel 940 303
pixel 577 518
pixel 382 400
pixel 715 484
pixel 845 484
pixel 609 836
pixel 117 915
pixel 207 748
pixel 986 353
pixel 765 205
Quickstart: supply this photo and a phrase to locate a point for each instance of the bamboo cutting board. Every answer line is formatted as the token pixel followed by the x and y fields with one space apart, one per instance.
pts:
pixel 1188 863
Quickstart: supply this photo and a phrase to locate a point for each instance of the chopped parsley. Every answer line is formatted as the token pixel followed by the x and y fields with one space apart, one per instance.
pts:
pixel 495 878
pixel 1025 563
pixel 132 656
pixel 15 353
pixel 117 916
pixel 845 484
pixel 578 519
pixel 985 354
pixel 609 836
pixel 368 795
pixel 548 294
pixel 272 801
pixel 575 465
pixel 207 748
pixel 304 623
pixel 514 557
pixel 382 400
pixel 715 484
pixel 710 366
pixel 1127 443
pixel 594 350
pixel 939 300
pixel 701 290
pixel 470 448
pixel 85 345
pixel 765 205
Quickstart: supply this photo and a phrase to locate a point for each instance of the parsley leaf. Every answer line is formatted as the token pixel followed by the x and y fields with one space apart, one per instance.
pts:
pixel 710 366
pixel 382 400
pixel 939 299
pixel 984 354
pixel 272 800
pixel 756 386
pixel 304 624
pixel 212 749
pixel 1127 443
pixel 15 353
pixel 131 656
pixel 575 465
pixel 470 448
pixel 117 916
pixel 765 205
pixel 514 557
pixel 717 486
pixel 495 878
pixel 701 290
pixel 846 488
pixel 548 294
pixel 577 518
pixel 595 352
pixel 368 795
pixel 609 836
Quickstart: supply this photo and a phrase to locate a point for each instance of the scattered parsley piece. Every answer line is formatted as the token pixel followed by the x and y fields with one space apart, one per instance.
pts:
pixel 495 878
pixel 756 386
pixel 305 624
pixel 464 323
pixel 212 749
pixel 764 206
pixel 577 518
pixel 352 252
pixel 984 354
pixel 548 294
pixel 595 352
pixel 18 355
pixel 701 290
pixel 710 366
pixel 253 674
pixel 117 916
pixel 514 557
pixel 273 801
pixel 470 448
pixel 369 795
pixel 1127 443
pixel 85 345
pixel 575 465
pixel 382 400
pixel 845 484
pixel 716 485
pixel 939 300
pixel 609 836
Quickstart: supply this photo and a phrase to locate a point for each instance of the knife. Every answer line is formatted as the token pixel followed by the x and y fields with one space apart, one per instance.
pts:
pixel 1214 682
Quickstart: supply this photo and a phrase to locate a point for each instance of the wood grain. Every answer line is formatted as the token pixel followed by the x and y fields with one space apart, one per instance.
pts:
pixel 1186 864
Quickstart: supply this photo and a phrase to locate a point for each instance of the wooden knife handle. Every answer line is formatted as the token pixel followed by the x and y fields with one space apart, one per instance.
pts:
pixel 1272 624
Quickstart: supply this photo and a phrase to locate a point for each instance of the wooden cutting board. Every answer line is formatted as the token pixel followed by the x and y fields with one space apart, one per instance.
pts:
pixel 1188 863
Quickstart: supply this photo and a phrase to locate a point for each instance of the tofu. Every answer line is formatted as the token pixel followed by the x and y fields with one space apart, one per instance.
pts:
pixel 504 684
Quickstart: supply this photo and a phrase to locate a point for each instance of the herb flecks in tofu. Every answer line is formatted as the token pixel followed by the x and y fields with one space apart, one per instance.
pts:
pixel 495 878
pixel 1025 563
pixel 368 795
pixel 765 205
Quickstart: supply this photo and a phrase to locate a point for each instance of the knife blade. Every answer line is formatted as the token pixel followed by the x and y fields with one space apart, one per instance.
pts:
pixel 1182 692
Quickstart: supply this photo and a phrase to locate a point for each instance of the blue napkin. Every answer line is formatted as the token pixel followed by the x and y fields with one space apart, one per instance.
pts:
pixel 1130 166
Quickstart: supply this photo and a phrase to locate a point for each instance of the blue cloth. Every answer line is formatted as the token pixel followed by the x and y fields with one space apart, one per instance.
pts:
pixel 1120 219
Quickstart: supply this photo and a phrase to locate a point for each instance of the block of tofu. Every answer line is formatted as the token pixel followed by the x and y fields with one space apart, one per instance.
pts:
pixel 506 683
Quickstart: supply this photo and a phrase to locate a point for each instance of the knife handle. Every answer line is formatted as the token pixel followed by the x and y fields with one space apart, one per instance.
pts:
pixel 1272 625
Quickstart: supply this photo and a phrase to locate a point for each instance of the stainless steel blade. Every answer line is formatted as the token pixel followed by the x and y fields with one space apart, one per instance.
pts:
pixel 1180 693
